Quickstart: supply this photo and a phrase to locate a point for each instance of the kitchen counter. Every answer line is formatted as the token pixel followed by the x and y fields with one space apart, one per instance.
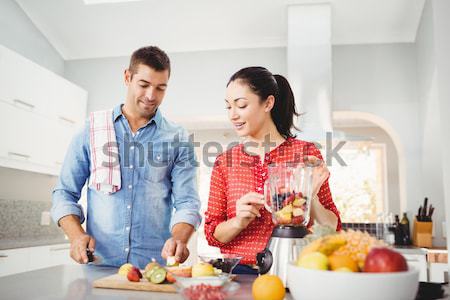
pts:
pixel 74 282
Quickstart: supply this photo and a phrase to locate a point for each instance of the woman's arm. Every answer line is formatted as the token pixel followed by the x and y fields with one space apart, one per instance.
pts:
pixel 247 209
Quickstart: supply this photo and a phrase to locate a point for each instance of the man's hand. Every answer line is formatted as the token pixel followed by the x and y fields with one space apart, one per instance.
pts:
pixel 78 247
pixel 175 248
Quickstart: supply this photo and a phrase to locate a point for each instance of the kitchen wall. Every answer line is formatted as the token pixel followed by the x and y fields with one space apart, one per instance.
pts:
pixel 432 129
pixel 197 83
pixel 18 33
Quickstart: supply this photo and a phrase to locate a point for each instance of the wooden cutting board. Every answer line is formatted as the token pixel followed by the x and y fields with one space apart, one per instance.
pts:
pixel 121 282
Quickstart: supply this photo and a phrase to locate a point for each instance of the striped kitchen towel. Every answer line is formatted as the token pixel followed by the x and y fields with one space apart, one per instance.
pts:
pixel 105 166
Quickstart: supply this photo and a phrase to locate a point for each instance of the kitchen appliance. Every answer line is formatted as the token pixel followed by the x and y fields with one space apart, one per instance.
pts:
pixel 287 192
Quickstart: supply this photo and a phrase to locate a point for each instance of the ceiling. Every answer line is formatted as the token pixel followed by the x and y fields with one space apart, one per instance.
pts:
pixel 79 31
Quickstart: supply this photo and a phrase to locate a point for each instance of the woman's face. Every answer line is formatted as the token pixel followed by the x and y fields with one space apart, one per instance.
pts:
pixel 245 110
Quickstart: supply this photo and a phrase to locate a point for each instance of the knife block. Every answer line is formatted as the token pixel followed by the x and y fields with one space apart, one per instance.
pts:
pixel 423 234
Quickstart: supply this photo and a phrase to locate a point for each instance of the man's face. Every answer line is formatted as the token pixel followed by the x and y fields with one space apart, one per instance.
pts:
pixel 146 89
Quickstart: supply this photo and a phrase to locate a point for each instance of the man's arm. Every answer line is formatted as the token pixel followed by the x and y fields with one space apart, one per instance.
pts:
pixel 66 211
pixel 186 201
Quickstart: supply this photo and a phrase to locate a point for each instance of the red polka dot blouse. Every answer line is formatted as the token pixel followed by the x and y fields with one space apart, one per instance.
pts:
pixel 236 173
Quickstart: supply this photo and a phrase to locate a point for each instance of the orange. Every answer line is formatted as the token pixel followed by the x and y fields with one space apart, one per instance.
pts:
pixel 268 287
pixel 339 261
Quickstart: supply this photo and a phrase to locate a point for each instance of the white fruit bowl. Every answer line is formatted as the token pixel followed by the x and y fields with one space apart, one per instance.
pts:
pixel 306 284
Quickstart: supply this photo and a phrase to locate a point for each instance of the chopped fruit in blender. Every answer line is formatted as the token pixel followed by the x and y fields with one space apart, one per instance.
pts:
pixel 289 199
pixel 297 211
pixel 287 210
pixel 283 218
pixel 297 220
pixel 298 202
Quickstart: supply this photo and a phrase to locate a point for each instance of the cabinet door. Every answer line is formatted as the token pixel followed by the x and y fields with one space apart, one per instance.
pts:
pixel 22 82
pixel 13 261
pixel 68 102
pixel 16 126
pixel 60 255
pixel 39 258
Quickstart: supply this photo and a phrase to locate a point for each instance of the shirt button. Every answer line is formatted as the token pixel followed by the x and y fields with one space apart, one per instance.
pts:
pixel 126 249
pixel 132 148
pixel 129 206
pixel 131 167
pixel 130 186
pixel 127 228
pixel 158 157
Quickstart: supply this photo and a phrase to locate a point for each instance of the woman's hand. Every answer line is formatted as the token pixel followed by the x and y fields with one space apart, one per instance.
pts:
pixel 247 208
pixel 320 173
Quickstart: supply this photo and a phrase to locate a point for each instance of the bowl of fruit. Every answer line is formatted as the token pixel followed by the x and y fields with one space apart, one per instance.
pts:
pixel 351 265
pixel 223 262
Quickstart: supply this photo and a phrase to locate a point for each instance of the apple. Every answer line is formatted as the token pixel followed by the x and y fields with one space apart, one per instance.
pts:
pixel 384 260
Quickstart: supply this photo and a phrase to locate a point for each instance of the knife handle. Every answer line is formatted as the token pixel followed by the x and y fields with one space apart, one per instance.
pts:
pixel 90 255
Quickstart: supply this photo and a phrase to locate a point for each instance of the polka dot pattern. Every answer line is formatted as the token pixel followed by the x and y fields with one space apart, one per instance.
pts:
pixel 236 173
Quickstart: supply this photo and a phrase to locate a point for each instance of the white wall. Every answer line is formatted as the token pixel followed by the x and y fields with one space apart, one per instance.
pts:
pixel 18 33
pixel 196 86
pixel 381 79
pixel 441 10
pixel 430 116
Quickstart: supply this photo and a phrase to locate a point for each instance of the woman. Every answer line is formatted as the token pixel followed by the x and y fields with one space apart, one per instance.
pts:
pixel 261 108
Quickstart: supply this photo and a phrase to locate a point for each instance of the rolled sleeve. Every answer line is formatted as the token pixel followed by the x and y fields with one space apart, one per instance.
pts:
pixel 73 176
pixel 186 200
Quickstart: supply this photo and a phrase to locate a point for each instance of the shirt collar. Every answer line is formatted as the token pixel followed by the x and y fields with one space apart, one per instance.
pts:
pixel 157 118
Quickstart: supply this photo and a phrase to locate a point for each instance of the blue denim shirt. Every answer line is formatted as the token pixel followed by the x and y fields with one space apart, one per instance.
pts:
pixel 158 190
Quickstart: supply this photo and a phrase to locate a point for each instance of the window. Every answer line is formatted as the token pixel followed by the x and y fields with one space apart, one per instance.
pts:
pixel 359 189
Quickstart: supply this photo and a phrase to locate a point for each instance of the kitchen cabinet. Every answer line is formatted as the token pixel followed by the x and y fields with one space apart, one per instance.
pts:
pixel 41 113
pixel 32 258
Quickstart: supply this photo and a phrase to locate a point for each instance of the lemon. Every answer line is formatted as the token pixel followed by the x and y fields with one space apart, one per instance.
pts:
pixel 313 260
pixel 202 269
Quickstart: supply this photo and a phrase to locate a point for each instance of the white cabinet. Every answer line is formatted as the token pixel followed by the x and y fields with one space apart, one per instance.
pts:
pixel 13 261
pixel 32 258
pixel 41 112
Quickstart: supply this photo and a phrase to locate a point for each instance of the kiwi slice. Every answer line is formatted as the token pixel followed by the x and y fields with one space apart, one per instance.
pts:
pixel 158 275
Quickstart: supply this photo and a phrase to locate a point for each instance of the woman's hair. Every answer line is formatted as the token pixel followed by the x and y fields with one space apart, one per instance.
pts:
pixel 263 83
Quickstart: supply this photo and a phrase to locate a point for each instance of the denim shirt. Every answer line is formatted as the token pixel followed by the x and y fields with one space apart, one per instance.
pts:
pixel 158 190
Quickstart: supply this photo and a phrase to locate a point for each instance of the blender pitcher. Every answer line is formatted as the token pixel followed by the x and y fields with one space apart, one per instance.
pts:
pixel 287 192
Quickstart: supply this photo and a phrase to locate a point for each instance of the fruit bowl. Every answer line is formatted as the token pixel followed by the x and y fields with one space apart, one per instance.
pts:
pixel 224 262
pixel 207 287
pixel 307 284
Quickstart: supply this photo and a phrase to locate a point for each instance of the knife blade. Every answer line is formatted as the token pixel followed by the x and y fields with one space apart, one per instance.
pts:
pixel 425 203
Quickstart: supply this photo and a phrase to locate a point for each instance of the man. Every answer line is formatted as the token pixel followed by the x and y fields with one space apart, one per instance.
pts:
pixel 154 208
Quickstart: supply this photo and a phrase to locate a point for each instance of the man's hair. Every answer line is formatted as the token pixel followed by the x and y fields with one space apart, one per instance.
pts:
pixel 150 56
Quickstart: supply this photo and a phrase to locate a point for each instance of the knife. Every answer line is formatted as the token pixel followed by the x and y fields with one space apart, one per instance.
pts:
pixel 430 213
pixel 424 211
pixel 419 214
pixel 93 259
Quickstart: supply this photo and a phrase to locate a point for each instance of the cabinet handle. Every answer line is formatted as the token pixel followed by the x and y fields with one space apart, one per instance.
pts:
pixel 60 248
pixel 21 102
pixel 67 120
pixel 3 256
pixel 21 155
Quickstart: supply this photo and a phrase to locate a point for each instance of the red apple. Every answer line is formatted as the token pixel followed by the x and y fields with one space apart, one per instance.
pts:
pixel 384 260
